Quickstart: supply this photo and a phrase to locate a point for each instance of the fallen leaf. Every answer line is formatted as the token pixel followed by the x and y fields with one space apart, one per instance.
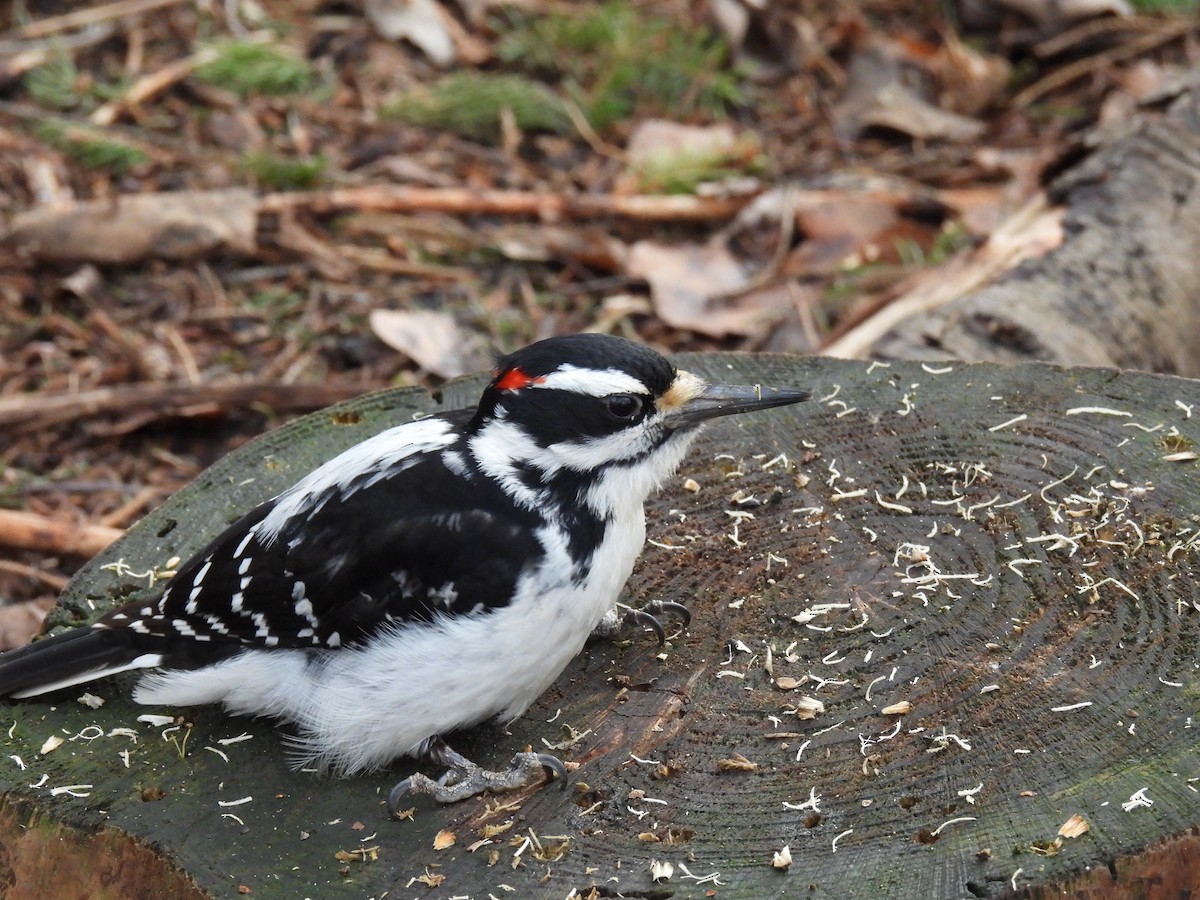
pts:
pixel 655 138
pixel 688 283
pixel 969 80
pixel 879 94
pixel 132 227
pixel 418 21
pixel 899 109
pixel 433 340
pixel 19 622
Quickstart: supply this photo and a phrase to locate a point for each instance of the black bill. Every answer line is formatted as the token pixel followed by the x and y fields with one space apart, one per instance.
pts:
pixel 730 399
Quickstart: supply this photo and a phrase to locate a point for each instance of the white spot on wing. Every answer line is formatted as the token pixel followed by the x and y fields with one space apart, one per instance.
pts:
pixel 203 571
pixel 241 547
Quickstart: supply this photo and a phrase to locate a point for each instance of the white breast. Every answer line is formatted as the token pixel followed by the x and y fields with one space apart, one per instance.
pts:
pixel 359 707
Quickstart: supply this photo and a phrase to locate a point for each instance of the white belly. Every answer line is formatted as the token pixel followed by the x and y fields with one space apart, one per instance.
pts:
pixel 357 708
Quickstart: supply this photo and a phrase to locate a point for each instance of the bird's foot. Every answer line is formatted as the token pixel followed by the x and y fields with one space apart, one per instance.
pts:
pixel 617 622
pixel 464 778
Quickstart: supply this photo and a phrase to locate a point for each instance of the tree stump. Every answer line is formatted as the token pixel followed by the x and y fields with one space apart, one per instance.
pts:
pixel 940 612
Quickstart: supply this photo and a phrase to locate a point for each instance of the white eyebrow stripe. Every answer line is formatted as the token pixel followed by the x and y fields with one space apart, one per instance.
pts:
pixel 595 382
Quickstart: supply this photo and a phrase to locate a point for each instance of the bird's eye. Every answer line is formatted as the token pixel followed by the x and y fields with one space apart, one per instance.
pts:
pixel 624 406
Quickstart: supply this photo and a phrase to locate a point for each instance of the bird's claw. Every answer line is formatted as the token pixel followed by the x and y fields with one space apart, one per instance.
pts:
pixel 648 617
pixel 463 780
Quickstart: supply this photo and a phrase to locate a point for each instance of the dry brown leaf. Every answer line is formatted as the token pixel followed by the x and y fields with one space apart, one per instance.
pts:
pixel 899 109
pixel 433 340
pixel 21 621
pixel 420 22
pixel 970 80
pixel 687 284
pixel 880 93
pixel 132 227
pixel 657 138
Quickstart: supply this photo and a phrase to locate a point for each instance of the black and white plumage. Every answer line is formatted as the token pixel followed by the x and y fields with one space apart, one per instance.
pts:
pixel 434 576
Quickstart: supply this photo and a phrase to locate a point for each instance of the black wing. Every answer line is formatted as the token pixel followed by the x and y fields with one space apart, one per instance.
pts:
pixel 411 545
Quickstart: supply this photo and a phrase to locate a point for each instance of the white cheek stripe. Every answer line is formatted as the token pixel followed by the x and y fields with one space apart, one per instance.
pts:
pixel 593 382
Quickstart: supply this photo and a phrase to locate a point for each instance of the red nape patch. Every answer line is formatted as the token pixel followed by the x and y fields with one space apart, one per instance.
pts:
pixel 514 379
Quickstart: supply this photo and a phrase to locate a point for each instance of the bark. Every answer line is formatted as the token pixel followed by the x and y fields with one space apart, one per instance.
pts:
pixel 1123 289
pixel 985 575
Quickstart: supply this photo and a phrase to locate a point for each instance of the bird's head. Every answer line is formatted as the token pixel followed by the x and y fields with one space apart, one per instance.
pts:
pixel 589 405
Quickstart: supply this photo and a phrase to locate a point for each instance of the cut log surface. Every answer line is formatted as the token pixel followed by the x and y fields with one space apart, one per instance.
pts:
pixel 938 613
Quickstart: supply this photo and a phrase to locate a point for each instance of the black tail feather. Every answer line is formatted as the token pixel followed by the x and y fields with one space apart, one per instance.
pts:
pixel 66 659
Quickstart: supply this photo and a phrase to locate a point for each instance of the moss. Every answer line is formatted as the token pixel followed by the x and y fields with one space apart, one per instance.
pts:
pixel 283 173
pixel 471 104
pixel 247 69
pixel 616 59
pixel 90 149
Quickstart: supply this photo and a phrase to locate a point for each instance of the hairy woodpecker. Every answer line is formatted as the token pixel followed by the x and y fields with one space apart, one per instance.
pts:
pixel 434 576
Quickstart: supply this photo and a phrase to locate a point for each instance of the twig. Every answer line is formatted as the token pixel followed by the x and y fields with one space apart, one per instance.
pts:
pixel 151 85
pixel 382 261
pixel 464 201
pixel 1080 69
pixel 33 532
pixel 160 400
pixel 82 17
pixel 1092 29
pixel 588 133
pixel 18 57
pixel 50 579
